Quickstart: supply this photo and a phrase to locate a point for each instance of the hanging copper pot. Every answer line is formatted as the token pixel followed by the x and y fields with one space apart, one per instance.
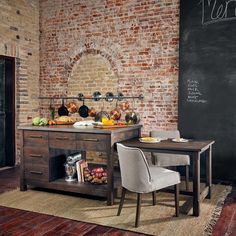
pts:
pixel 72 107
pixel 124 106
pixel 115 114
pixel 92 112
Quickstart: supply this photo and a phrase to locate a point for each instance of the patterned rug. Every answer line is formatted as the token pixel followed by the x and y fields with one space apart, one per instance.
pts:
pixel 154 220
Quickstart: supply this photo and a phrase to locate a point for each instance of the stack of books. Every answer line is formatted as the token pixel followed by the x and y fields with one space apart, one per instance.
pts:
pixel 80 165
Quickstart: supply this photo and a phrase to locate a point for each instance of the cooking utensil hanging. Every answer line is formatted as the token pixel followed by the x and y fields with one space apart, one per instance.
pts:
pixel 115 114
pixel 72 107
pixel 52 110
pixel 96 96
pixel 83 111
pixel 109 97
pixel 62 110
pixel 92 112
pixel 101 114
pixel 132 117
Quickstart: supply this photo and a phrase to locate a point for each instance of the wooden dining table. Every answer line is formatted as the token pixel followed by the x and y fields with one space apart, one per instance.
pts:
pixel 193 148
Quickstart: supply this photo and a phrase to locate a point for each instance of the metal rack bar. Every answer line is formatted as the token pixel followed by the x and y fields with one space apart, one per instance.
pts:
pixel 92 98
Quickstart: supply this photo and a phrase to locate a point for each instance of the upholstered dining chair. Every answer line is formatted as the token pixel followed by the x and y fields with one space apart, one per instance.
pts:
pixel 169 160
pixel 137 176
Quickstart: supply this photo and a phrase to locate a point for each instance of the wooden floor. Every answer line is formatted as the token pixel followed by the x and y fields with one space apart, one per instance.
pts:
pixel 19 222
pixel 226 224
pixel 24 223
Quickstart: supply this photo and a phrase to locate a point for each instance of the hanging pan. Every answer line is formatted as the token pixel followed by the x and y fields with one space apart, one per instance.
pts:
pixel 63 111
pixel 132 117
pixel 83 111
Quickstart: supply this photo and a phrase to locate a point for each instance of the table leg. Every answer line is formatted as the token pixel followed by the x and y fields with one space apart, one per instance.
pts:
pixel 196 184
pixel 23 186
pixel 209 170
pixel 110 177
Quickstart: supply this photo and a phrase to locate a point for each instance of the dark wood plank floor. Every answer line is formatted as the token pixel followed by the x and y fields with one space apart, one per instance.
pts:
pixel 226 224
pixel 19 222
pixel 24 223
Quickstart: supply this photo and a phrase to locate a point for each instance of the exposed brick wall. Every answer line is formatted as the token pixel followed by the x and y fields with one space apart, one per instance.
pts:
pixel 137 41
pixel 19 38
pixel 139 38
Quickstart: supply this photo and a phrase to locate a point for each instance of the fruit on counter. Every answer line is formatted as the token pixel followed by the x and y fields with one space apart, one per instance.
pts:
pixel 52 122
pixel 63 120
pixel 121 123
pixel 37 121
pixel 107 121
pixel 68 119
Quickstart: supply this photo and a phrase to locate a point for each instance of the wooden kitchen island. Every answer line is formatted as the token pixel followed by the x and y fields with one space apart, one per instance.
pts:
pixel 44 148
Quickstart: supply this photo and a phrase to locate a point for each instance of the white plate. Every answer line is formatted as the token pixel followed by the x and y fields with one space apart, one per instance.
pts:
pixel 149 140
pixel 181 140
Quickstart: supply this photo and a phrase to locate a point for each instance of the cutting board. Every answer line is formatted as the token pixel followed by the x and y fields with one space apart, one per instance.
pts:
pixel 111 126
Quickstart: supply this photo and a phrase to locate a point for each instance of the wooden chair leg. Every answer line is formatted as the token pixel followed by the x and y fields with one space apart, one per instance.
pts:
pixel 121 200
pixel 154 201
pixel 154 160
pixel 139 199
pixel 177 200
pixel 187 178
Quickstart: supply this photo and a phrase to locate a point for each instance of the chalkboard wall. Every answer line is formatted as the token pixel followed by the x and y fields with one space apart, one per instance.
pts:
pixel 207 79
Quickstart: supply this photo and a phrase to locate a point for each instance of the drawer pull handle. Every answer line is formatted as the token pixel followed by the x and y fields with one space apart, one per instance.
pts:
pixel 91 139
pixel 36 172
pixel 36 155
pixel 36 136
pixel 62 138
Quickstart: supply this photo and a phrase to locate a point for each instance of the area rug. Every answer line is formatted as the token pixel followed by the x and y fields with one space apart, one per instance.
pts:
pixel 154 220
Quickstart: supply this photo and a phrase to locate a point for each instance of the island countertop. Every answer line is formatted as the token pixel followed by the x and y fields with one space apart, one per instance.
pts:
pixel 43 151
pixel 82 129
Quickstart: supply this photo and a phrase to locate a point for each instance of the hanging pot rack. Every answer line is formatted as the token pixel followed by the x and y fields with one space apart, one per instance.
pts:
pixel 82 98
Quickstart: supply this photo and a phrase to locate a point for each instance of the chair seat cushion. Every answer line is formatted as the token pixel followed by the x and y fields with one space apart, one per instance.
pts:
pixel 162 178
pixel 163 159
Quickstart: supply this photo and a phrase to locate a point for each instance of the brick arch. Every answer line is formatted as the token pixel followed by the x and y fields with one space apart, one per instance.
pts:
pixel 76 58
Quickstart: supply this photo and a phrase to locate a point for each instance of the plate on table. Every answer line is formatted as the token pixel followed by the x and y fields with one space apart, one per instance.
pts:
pixel 180 140
pixel 149 140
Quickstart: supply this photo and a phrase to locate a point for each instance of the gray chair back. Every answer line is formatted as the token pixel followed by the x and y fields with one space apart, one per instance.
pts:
pixel 168 159
pixel 165 133
pixel 135 173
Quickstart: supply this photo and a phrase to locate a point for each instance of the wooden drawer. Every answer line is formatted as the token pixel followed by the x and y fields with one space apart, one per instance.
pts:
pixel 33 155
pixel 62 140
pixel 36 172
pixel 35 138
pixel 93 142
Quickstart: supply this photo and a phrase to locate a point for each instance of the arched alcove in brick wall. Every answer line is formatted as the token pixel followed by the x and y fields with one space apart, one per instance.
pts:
pixel 93 72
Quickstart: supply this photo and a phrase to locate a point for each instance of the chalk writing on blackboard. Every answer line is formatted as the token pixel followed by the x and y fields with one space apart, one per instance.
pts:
pixel 194 94
pixel 214 11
